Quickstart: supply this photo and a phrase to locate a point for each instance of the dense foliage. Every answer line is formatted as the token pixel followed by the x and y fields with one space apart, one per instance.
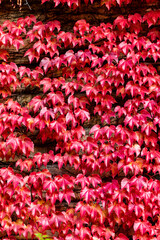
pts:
pixel 106 75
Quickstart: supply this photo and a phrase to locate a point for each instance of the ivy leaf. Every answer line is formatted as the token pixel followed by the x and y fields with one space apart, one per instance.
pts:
pixel 82 114
pixel 57 219
pixel 45 63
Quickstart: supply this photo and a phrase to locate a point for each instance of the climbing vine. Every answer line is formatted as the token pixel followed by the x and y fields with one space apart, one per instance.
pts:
pixel 106 73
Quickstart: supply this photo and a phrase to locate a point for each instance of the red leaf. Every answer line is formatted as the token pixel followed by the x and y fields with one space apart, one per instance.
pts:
pixel 45 63
pixel 121 22
pixel 57 219
pixel 82 114
pixel 50 185
pixel 121 236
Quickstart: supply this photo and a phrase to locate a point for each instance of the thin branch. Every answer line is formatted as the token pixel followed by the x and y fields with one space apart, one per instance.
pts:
pixel 28 5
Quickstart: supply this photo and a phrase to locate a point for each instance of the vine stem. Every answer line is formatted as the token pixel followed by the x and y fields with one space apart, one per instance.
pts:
pixel 28 4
